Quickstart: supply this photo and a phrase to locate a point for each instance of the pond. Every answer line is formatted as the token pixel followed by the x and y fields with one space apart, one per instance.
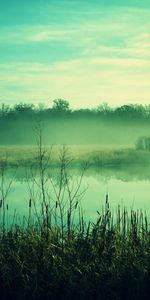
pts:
pixel 125 188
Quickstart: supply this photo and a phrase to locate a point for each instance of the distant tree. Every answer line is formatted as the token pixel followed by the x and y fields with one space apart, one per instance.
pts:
pixel 4 110
pixel 60 105
pixel 103 108
pixel 130 111
pixel 23 108
pixel 125 110
pixel 42 107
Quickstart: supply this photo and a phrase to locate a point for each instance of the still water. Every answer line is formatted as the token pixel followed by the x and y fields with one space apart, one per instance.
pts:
pixel 130 190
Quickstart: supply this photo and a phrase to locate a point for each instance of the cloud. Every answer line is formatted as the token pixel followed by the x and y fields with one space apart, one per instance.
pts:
pixel 31 34
pixel 85 82
pixel 111 52
pixel 99 23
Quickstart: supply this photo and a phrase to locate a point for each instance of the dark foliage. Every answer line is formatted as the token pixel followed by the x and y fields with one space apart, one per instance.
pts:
pixel 61 108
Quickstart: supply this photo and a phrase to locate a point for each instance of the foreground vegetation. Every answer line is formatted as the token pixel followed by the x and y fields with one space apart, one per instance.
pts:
pixel 105 260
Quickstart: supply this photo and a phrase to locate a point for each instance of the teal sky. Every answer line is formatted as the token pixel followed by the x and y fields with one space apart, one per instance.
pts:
pixel 87 52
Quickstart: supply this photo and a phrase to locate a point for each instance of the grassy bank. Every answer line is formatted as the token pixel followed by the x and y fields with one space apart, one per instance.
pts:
pixel 96 156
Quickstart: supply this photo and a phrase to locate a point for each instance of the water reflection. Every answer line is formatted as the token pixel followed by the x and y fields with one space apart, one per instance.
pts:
pixel 128 187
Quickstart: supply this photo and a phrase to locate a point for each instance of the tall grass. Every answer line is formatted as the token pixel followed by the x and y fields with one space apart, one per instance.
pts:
pixel 108 259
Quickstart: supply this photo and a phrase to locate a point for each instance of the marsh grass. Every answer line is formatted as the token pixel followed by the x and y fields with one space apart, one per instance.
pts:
pixel 96 155
pixel 108 259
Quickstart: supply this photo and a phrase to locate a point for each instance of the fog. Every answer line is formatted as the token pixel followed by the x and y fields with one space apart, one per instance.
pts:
pixel 80 131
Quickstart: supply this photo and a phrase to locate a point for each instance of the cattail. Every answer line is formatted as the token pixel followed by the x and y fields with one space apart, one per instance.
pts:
pixel 30 202
pixel 1 202
pixel 106 198
pixel 47 209
pixel 68 219
pixel 42 209
pixel 7 206
pixel 76 204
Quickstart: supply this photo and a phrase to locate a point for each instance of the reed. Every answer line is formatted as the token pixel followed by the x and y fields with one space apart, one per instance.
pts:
pixel 108 259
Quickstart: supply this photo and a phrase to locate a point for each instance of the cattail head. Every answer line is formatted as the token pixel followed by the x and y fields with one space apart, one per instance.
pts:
pixel 42 209
pixel 1 202
pixel 7 206
pixel 106 198
pixel 76 204
pixel 30 203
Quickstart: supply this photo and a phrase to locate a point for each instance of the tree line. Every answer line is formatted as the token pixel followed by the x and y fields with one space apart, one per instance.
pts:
pixel 62 108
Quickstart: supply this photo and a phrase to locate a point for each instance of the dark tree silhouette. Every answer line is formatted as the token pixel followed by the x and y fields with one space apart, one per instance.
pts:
pixel 60 105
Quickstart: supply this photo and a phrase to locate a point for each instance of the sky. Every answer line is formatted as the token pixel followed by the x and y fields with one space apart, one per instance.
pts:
pixel 87 52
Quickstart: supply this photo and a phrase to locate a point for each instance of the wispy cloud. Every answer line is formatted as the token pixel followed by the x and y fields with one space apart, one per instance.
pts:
pixel 31 34
pixel 111 22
